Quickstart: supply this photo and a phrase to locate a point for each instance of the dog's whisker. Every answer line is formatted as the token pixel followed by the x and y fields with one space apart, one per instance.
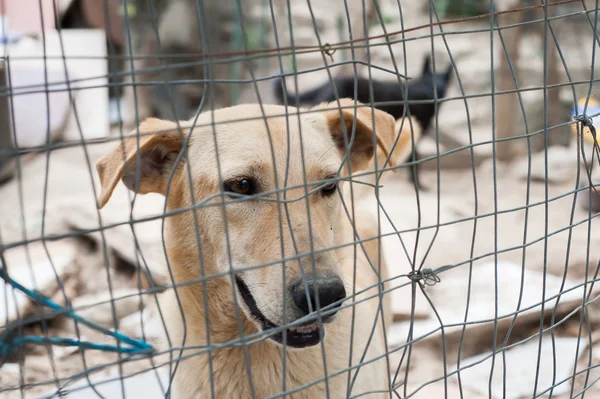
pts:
pixel 325 153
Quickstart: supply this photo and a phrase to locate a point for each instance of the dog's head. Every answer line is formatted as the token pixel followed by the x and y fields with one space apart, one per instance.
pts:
pixel 439 80
pixel 260 190
pixel 428 86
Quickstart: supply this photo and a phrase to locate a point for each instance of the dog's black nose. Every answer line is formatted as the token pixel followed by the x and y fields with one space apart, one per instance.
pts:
pixel 330 290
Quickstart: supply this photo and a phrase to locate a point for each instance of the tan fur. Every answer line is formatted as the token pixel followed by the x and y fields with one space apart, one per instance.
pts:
pixel 256 230
pixel 399 142
pixel 408 131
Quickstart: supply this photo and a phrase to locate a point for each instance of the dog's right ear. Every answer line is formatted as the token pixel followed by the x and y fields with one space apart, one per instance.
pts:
pixel 159 144
pixel 448 74
pixel 427 65
pixel 340 125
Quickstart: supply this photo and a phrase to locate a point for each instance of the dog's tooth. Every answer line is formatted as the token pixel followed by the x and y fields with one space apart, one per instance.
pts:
pixel 304 329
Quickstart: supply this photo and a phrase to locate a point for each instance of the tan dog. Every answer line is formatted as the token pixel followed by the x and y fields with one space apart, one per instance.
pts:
pixel 217 248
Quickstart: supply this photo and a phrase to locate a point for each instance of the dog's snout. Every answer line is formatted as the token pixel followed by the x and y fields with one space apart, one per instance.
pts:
pixel 327 289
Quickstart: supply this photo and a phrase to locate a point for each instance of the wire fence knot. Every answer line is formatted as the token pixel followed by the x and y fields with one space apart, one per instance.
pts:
pixel 585 121
pixel 424 276
pixel 328 50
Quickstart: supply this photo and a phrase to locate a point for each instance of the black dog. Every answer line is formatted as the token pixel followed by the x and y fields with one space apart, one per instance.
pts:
pixel 420 89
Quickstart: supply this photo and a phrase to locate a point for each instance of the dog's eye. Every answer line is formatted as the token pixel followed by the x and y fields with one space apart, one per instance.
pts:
pixel 329 189
pixel 240 186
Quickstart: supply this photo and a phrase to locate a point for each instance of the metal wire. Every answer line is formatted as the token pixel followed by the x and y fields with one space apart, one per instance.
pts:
pixel 231 64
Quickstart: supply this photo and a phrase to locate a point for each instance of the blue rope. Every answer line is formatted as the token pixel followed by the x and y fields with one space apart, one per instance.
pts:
pixel 8 344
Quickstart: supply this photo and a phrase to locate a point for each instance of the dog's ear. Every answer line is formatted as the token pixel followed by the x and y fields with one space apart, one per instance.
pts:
pixel 448 74
pixel 427 65
pixel 408 131
pixel 159 144
pixel 363 146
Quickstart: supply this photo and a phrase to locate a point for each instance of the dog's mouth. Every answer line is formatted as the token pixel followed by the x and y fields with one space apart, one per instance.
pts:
pixel 301 336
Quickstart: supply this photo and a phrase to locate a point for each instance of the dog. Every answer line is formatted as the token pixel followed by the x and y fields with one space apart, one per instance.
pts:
pixel 428 87
pixel 322 338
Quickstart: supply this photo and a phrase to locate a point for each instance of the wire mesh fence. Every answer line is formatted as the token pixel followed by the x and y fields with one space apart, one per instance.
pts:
pixel 299 199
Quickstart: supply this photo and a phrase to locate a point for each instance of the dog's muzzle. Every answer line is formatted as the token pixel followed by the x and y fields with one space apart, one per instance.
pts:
pixel 312 296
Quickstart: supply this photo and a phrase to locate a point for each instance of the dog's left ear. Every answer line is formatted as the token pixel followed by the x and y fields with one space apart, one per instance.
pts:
pixel 159 144
pixel 365 138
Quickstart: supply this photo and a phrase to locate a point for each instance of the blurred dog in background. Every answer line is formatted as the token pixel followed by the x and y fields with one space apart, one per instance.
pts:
pixel 421 96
